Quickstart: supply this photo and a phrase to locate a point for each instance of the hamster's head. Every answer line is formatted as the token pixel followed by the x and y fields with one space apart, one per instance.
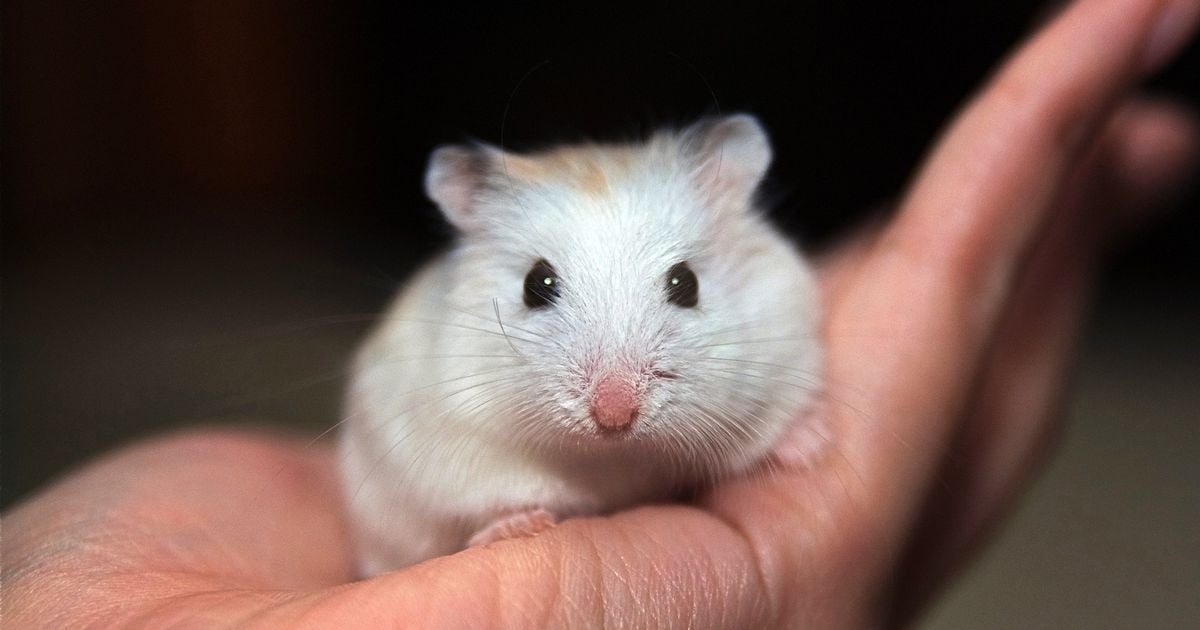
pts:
pixel 644 299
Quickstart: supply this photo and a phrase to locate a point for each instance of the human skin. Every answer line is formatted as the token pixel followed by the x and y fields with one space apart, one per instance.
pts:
pixel 950 332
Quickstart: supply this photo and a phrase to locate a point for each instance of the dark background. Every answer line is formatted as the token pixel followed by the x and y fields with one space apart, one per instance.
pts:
pixel 203 202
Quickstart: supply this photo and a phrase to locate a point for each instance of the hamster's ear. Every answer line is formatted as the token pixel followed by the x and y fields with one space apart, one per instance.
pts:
pixel 454 178
pixel 732 154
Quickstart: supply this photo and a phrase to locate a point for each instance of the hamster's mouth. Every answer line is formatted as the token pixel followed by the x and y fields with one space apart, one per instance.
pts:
pixel 614 435
pixel 596 434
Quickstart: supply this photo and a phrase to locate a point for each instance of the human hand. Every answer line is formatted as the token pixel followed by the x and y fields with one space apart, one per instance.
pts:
pixel 949 330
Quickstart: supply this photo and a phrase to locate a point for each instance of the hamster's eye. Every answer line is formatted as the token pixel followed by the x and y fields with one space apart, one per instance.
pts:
pixel 682 287
pixel 541 285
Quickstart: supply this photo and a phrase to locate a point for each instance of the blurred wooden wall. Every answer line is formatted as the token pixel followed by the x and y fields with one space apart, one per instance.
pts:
pixel 127 101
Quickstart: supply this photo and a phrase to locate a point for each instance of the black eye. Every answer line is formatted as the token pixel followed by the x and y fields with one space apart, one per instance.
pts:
pixel 541 285
pixel 682 287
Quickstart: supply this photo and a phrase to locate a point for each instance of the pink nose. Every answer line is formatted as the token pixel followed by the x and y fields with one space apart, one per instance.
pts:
pixel 615 403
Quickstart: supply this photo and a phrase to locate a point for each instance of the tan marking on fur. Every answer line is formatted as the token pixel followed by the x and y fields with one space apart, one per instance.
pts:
pixel 590 168
pixel 591 179
pixel 524 168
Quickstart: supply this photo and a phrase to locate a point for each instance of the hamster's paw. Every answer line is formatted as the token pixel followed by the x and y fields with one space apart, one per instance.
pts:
pixel 805 441
pixel 514 525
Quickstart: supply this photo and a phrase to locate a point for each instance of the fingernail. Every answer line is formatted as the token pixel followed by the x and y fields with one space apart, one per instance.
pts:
pixel 1176 22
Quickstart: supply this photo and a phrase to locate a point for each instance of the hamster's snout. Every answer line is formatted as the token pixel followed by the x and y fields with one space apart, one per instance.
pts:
pixel 615 402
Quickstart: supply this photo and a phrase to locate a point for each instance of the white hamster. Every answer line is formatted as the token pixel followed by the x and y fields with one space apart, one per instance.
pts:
pixel 615 324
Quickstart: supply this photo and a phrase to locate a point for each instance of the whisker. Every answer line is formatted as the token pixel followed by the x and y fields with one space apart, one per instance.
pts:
pixel 816 390
pixel 808 376
pixel 746 342
pixel 488 320
pixel 748 378
pixel 289 328
pixel 451 324
pixel 411 427
pixel 496 306
pixel 412 408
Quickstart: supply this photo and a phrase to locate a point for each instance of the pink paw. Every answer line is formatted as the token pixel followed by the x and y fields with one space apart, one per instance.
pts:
pixel 514 525
pixel 804 442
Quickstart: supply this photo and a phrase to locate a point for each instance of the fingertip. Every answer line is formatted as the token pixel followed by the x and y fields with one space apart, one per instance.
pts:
pixel 1173 27
pixel 1159 152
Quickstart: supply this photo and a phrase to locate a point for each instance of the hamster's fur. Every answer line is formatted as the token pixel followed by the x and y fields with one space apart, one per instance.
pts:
pixel 473 415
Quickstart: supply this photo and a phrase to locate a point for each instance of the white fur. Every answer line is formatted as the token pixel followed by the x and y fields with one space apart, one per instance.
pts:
pixel 452 422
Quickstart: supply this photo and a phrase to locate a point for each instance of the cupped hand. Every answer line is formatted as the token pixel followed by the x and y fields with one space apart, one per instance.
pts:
pixel 949 333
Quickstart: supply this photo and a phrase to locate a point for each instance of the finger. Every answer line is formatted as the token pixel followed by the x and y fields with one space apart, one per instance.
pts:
pixel 1154 162
pixel 653 567
pixel 205 508
pixel 1146 152
pixel 840 262
pixel 222 528
pixel 934 286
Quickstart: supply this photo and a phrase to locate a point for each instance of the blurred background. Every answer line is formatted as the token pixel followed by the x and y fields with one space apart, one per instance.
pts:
pixel 205 204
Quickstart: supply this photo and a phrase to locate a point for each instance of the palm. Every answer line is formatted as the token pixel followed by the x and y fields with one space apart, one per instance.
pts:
pixel 949 332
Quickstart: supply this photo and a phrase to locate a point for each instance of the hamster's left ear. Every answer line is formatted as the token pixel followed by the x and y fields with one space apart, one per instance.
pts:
pixel 731 153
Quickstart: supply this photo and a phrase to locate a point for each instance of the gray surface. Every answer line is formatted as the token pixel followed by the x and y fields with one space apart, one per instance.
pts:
pixel 1109 536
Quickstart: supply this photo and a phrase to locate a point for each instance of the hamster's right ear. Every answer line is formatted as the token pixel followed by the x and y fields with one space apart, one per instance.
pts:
pixel 732 153
pixel 454 178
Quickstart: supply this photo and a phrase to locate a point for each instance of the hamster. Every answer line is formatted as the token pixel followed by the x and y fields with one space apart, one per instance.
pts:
pixel 615 324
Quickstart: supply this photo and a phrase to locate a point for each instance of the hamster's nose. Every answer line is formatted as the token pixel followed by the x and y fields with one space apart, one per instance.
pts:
pixel 615 403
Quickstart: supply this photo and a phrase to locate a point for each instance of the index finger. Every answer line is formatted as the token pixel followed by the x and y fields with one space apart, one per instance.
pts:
pixel 932 288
